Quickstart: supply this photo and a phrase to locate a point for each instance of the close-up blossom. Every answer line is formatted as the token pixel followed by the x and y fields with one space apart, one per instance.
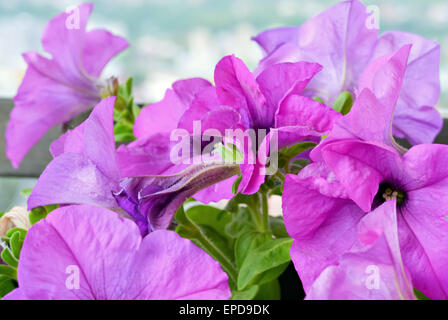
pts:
pixel 344 40
pixel 55 90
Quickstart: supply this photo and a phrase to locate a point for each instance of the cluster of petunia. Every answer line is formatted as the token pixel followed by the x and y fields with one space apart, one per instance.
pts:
pixel 365 217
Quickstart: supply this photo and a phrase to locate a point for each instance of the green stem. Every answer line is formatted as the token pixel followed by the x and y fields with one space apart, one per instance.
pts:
pixel 225 261
pixel 255 216
pixel 287 166
pixel 280 175
pixel 265 211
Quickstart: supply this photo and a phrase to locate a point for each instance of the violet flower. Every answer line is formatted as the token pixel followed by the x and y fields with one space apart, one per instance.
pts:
pixel 88 253
pixel 56 89
pixel 373 268
pixel 344 40
pixel 87 168
pixel 239 100
pixel 270 102
pixel 357 170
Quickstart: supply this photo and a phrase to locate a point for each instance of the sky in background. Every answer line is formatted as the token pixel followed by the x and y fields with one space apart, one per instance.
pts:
pixel 174 39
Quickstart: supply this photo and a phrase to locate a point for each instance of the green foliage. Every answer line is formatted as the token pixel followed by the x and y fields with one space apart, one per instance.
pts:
pixel 265 262
pixel 39 213
pixel 252 257
pixel 125 113
pixel 204 225
pixel 343 103
pixel 420 295
pixel 12 246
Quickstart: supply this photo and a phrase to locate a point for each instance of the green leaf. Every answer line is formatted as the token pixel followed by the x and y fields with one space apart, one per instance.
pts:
pixel 269 291
pixel 318 99
pixel 21 231
pixel 343 103
pixel 8 271
pixel 26 192
pixel 6 285
pixel 242 222
pixel 277 226
pixel 236 184
pixel 420 295
pixel 123 132
pixel 247 294
pixel 16 242
pixel 37 214
pixel 212 217
pixel 272 256
pixel 203 227
pixel 247 242
pixel 297 149
pixel 9 258
pixel 2 213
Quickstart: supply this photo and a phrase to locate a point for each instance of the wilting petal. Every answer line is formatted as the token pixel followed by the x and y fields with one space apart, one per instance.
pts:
pixel 236 87
pixel 339 39
pixel 112 261
pixel 158 197
pixel 168 111
pixel 361 167
pixel 373 268
pixel 415 116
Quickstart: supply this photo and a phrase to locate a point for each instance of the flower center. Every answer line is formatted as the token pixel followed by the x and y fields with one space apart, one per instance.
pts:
pixel 387 191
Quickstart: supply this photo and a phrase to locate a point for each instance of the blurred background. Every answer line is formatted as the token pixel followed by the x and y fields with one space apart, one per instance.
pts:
pixel 173 39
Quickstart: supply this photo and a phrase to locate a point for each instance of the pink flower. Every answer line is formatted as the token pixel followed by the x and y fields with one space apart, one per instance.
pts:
pixel 85 252
pixel 57 89
pixel 344 40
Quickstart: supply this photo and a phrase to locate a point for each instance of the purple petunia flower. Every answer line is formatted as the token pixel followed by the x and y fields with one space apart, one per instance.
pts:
pixel 270 102
pixel 85 252
pixel 373 268
pixel 57 89
pixel 344 40
pixel 357 169
pixel 239 100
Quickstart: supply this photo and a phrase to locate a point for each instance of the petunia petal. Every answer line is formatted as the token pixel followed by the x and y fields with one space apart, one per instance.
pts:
pixel 373 268
pixel 85 252
pixel 361 167
pixel 99 48
pixel 415 117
